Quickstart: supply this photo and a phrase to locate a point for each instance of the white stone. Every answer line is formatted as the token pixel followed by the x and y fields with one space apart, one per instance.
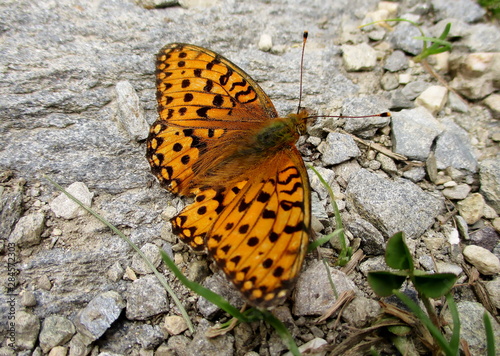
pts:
pixel 433 98
pixel 130 113
pixel 309 348
pixel 358 58
pixel 404 78
pixel 485 261
pixel 265 42
pixel 64 207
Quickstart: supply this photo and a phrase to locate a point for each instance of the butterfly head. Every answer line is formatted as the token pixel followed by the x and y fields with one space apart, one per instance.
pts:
pixel 299 121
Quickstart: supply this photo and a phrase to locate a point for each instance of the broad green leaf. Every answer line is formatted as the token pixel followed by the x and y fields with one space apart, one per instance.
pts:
pixel 397 254
pixel 383 283
pixel 434 285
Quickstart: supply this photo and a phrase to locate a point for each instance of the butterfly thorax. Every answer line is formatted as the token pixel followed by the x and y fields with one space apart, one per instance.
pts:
pixel 241 154
pixel 281 132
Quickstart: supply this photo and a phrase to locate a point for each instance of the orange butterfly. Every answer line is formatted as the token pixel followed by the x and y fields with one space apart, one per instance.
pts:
pixel 220 139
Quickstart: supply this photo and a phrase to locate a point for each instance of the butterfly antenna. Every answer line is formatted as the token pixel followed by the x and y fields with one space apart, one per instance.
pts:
pixel 304 39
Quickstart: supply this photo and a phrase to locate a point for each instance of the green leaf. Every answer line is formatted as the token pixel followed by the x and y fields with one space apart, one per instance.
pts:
pixel 434 285
pixel 383 283
pixel 397 254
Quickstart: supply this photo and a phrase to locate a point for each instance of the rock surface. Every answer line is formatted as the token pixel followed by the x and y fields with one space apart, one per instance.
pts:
pixel 77 97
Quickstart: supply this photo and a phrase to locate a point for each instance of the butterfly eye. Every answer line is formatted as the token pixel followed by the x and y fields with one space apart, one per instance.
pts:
pixel 301 128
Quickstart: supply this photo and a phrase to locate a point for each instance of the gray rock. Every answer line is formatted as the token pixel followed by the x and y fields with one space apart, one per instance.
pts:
pixel 376 263
pixel 493 288
pixel 318 207
pixel 198 271
pixel 115 272
pixel 80 345
pixel 130 113
pixel 400 101
pixel 489 173
pixel 361 312
pixel 66 208
pixel 152 252
pixel 218 283
pixel 387 164
pixel 456 104
pixel 465 10
pixel 365 127
pixel 372 241
pixel 359 57
pixel 202 345
pixel 179 344
pixel 338 148
pixel 396 61
pixel 472 326
pixel 313 293
pixel 403 38
pixel 28 230
pixel 414 89
pixel 462 227
pixel 149 336
pixel 413 132
pixel 145 298
pixel 458 192
pixel 486 237
pixel 389 81
pixel 345 171
pixel 93 320
pixel 56 330
pixel 329 177
pixel 11 208
pixel 483 37
pixel 392 206
pixel 26 329
pixel 453 148
pixel 458 29
pixel 415 174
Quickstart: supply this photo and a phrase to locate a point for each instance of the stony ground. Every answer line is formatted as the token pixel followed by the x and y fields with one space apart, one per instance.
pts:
pixel 77 94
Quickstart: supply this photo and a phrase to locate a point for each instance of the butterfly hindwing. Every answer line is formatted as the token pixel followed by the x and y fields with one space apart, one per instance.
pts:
pixel 260 238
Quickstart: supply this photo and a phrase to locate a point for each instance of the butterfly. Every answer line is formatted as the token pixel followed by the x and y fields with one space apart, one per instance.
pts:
pixel 219 139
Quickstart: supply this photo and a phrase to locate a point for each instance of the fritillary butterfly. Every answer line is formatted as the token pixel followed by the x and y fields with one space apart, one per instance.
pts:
pixel 219 138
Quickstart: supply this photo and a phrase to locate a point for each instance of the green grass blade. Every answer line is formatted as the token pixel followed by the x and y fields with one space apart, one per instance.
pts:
pixel 345 253
pixel 323 239
pixel 158 275
pixel 202 291
pixel 435 332
pixel 455 337
pixel 246 317
pixel 490 337
pixel 282 332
